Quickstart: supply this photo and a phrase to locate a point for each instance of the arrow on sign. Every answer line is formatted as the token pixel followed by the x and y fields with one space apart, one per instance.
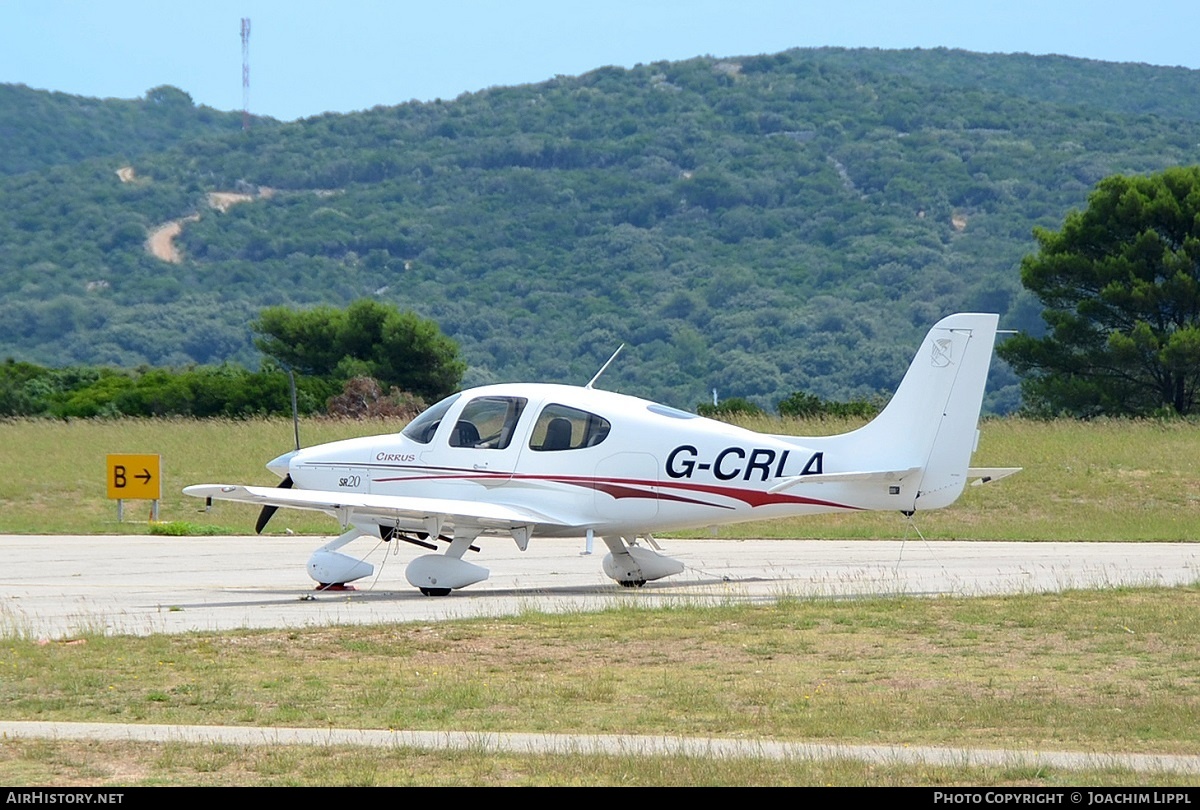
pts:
pixel 144 477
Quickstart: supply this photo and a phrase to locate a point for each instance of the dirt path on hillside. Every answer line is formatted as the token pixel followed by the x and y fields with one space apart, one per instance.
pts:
pixel 224 200
pixel 161 242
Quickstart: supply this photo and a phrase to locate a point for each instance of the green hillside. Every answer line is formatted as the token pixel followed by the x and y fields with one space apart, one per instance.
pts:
pixel 39 130
pixel 1124 88
pixel 756 225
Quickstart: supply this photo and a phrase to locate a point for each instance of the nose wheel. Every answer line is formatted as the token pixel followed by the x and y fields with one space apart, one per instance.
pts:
pixel 632 583
pixel 435 591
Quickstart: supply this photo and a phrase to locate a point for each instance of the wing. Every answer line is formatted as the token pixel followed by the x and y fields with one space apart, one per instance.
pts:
pixel 402 510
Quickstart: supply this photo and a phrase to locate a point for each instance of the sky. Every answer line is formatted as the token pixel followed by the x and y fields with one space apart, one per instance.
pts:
pixel 308 57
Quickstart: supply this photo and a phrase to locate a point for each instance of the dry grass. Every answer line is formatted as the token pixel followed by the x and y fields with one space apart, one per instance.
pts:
pixel 1114 671
pixel 67 764
pixel 52 479
pixel 1083 670
pixel 1107 480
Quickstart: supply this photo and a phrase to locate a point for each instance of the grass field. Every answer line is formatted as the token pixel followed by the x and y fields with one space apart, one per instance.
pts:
pixel 53 474
pixel 1105 670
pixel 1106 480
pixel 38 763
pixel 1096 671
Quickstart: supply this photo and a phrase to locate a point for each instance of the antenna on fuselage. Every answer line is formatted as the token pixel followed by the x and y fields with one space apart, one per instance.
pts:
pixel 592 381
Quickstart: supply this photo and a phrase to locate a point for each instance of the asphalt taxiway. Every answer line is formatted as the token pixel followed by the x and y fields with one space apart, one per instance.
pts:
pixel 59 586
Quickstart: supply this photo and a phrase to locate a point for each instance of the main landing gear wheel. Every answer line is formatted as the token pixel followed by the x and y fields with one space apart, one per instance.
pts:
pixel 436 591
pixel 632 566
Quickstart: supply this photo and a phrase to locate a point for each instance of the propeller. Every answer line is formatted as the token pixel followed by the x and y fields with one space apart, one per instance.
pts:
pixel 269 510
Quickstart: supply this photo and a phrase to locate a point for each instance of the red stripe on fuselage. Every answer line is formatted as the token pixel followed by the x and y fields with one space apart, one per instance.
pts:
pixel 636 488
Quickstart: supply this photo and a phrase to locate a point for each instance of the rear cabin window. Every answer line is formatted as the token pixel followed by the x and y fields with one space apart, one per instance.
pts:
pixel 559 427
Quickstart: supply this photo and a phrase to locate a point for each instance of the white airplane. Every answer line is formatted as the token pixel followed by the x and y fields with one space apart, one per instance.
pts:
pixel 528 461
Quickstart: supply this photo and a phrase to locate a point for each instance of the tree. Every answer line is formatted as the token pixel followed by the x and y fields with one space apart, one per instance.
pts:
pixel 732 408
pixel 803 405
pixel 1121 288
pixel 397 348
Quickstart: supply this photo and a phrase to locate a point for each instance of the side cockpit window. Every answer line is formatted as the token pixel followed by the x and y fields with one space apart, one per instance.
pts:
pixel 559 427
pixel 487 423
pixel 426 424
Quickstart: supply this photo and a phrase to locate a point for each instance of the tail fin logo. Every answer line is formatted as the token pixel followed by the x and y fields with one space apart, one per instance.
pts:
pixel 943 349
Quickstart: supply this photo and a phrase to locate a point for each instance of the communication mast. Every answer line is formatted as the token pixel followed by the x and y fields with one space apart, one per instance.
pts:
pixel 245 74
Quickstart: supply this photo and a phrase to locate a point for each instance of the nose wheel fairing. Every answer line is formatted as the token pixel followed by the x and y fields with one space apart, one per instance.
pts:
pixel 329 567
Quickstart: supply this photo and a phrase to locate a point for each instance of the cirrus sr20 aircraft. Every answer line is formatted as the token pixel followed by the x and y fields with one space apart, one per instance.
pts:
pixel 532 460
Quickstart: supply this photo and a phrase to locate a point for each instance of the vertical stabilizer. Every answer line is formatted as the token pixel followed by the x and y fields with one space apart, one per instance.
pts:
pixel 931 422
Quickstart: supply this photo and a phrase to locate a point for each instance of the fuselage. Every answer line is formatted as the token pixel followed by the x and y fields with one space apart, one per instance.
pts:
pixel 529 460
pixel 584 459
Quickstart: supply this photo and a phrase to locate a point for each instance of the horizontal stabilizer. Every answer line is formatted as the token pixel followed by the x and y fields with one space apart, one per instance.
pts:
pixel 986 475
pixel 844 477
